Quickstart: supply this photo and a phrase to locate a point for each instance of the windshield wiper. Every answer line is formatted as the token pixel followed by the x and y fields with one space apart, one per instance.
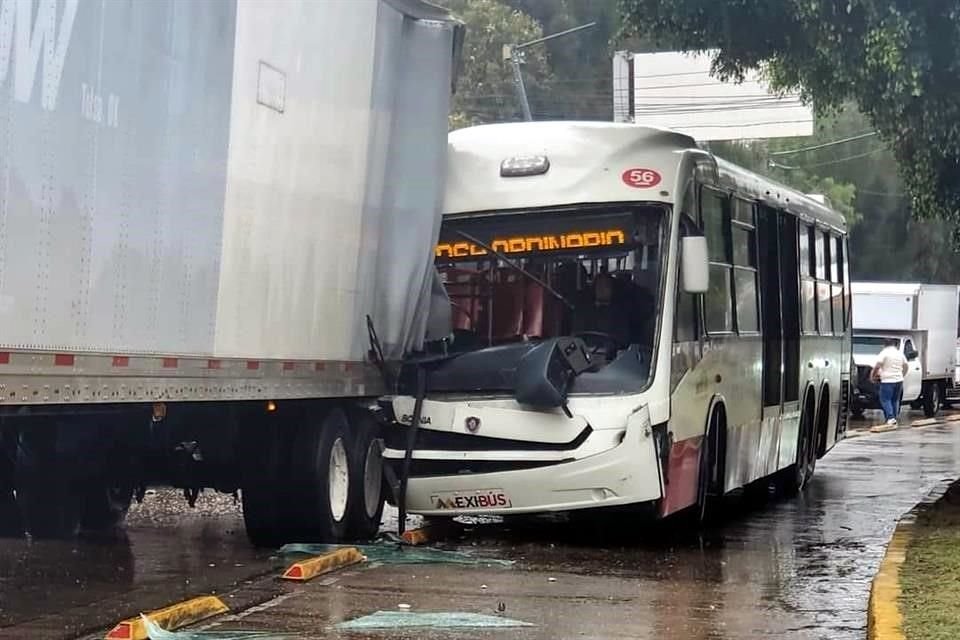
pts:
pixel 513 265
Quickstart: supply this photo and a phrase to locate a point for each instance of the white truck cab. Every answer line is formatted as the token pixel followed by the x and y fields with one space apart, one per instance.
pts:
pixel 923 319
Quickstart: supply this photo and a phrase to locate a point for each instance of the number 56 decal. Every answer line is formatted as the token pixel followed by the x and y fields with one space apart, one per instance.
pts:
pixel 640 178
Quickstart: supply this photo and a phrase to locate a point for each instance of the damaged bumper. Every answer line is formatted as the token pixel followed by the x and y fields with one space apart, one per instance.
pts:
pixel 569 466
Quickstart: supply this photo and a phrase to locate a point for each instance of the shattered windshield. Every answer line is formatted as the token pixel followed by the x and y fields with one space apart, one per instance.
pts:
pixel 588 272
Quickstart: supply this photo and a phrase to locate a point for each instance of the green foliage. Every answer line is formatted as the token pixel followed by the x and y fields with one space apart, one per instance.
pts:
pixel 896 59
pixel 485 91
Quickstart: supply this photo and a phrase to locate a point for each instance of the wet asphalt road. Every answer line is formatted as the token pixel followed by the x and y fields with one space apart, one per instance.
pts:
pixel 789 568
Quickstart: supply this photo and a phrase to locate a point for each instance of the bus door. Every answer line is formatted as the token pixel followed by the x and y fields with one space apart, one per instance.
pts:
pixel 779 302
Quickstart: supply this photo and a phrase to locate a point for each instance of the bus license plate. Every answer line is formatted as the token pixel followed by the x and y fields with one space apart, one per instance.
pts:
pixel 472 500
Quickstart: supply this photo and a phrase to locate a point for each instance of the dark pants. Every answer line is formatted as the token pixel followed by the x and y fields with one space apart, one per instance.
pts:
pixel 890 395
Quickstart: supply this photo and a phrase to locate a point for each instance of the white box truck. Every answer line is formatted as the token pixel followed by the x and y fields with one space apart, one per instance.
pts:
pixel 923 319
pixel 201 203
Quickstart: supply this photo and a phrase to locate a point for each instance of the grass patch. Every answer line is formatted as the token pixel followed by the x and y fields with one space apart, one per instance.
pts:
pixel 930 576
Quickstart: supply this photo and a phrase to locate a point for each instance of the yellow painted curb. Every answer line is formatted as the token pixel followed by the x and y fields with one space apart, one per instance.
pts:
pixel 170 618
pixel 318 565
pixel 884 621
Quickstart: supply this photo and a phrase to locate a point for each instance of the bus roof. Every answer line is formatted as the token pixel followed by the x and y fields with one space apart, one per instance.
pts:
pixel 592 162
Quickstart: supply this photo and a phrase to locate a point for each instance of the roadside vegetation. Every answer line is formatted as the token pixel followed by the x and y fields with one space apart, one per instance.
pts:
pixel 930 576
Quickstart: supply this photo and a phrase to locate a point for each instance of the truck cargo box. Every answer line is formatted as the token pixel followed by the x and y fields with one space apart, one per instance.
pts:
pixel 927 312
pixel 243 178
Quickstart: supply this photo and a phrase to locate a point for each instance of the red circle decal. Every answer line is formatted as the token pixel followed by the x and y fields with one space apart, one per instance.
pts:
pixel 640 178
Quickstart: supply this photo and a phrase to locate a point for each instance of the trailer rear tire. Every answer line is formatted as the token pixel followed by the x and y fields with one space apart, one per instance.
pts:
pixel 367 483
pixel 932 399
pixel 49 493
pixel 106 507
pixel 322 477
pixel 262 486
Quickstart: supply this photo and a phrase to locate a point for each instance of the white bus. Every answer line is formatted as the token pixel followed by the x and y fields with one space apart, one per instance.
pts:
pixel 590 363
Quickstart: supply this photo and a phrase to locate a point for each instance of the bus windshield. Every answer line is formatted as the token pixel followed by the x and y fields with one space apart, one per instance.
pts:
pixel 588 272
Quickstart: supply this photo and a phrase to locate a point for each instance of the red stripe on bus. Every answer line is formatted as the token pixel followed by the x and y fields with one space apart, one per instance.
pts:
pixel 288 366
pixel 213 364
pixel 121 361
pixel 4 358
pixel 252 365
pixel 683 471
pixel 169 363
pixel 63 360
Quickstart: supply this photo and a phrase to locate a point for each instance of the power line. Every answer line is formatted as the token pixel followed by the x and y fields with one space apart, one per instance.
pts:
pixel 829 162
pixel 825 144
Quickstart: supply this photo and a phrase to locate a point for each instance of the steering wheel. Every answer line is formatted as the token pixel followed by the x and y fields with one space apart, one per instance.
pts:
pixel 599 339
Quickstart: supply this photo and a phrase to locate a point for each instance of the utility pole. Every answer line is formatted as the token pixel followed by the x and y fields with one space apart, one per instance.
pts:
pixel 514 53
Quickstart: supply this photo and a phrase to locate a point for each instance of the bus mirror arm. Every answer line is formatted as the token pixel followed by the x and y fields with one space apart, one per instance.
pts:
pixel 694 264
pixel 516 267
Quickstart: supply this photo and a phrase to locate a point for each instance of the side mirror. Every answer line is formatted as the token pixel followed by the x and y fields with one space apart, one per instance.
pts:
pixel 694 264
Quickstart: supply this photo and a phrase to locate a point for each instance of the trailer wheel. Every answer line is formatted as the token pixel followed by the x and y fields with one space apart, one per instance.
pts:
pixel 367 481
pixel 261 458
pixel 932 399
pixel 106 507
pixel 49 495
pixel 10 525
pixel 321 468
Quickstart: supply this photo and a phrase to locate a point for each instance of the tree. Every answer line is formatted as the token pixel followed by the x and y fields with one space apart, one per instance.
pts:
pixel 896 59
pixel 485 91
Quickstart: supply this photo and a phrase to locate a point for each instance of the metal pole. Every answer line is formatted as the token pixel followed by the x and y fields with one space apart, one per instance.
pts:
pixel 514 51
pixel 518 84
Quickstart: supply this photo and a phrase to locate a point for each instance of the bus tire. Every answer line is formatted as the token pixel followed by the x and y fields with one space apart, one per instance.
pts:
pixel 710 473
pixel 367 483
pixel 262 483
pixel 796 476
pixel 322 478
pixel 932 399
pixel 823 426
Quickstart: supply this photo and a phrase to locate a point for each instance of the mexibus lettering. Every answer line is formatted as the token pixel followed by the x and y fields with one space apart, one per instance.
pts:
pixel 531 244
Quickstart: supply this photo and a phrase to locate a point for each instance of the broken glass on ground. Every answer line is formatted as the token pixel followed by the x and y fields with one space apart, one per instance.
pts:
pixel 156 632
pixel 429 619
pixel 392 553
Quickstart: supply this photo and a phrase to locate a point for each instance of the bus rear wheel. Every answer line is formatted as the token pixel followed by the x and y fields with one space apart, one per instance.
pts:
pixel 795 477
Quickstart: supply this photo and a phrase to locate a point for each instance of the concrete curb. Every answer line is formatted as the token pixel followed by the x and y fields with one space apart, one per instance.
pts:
pixel 170 618
pixel 318 565
pixel 884 619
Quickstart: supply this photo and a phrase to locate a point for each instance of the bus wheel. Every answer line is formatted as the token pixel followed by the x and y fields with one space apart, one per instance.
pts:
pixel 796 476
pixel 262 482
pixel 931 399
pixel 710 473
pixel 367 482
pixel 321 468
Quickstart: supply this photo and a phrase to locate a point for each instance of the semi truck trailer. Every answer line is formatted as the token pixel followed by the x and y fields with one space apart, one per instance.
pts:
pixel 206 210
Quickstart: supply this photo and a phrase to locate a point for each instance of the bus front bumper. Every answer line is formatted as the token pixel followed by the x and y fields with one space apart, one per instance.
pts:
pixel 628 473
